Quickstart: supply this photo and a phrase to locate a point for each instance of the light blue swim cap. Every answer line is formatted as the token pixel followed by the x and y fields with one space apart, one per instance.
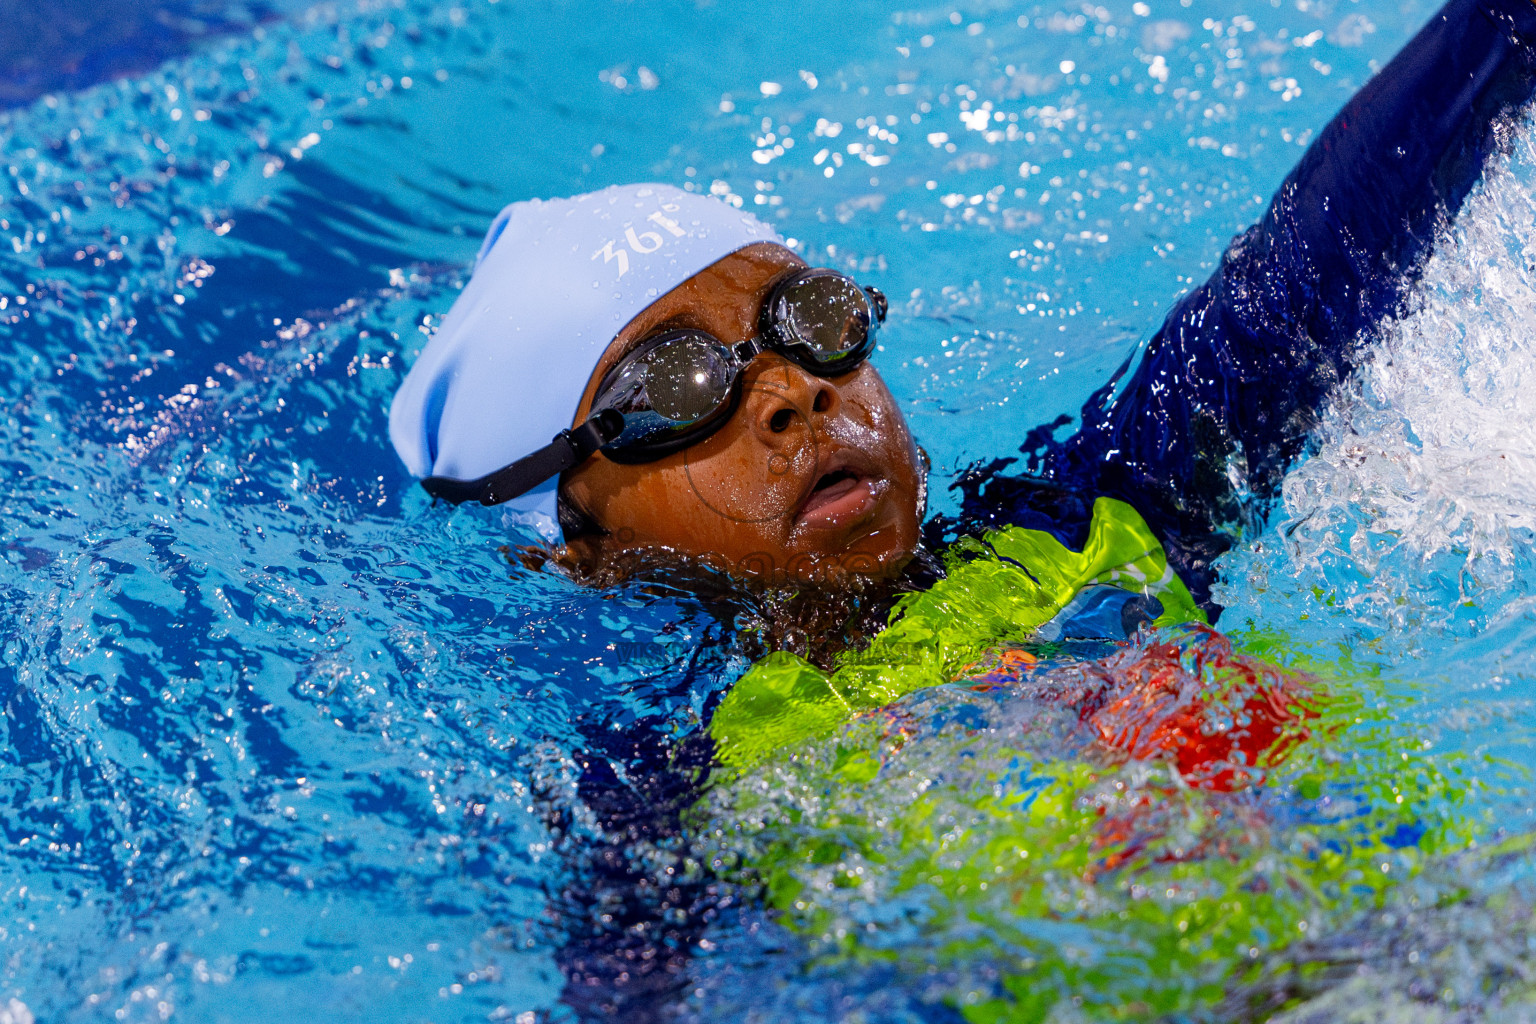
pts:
pixel 554 282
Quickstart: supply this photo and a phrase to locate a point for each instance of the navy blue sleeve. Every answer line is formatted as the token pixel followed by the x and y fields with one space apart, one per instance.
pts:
pixel 1225 395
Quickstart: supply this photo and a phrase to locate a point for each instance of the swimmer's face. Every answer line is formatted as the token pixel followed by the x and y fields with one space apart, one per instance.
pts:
pixel 809 478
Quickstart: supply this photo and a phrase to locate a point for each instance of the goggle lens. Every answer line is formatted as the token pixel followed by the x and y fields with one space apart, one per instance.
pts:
pixel 828 314
pixel 668 390
pixel 687 379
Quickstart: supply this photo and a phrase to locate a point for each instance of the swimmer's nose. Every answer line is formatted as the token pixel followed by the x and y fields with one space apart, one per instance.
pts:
pixel 786 400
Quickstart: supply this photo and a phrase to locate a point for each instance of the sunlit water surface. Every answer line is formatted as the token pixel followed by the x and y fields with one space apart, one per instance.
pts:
pixel 281 740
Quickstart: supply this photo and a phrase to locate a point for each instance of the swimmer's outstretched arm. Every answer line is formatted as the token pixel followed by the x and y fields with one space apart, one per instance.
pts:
pixel 1238 370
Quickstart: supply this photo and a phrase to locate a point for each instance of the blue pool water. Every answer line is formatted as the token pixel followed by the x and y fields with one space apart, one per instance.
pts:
pixel 282 741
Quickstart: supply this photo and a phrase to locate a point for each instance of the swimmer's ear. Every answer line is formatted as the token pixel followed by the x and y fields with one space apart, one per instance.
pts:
pixel 922 456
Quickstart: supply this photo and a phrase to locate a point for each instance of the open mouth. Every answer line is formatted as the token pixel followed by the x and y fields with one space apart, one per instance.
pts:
pixel 836 483
pixel 841 496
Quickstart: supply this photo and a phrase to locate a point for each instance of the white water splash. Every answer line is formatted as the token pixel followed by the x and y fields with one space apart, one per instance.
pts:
pixel 1418 507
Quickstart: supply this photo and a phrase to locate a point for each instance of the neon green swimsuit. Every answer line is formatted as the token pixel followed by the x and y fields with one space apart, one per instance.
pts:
pixel 1062 869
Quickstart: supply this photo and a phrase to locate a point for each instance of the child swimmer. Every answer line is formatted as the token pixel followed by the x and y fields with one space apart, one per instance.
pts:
pixel 711 396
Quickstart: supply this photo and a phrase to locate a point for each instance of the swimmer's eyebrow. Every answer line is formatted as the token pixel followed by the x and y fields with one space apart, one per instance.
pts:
pixel 685 320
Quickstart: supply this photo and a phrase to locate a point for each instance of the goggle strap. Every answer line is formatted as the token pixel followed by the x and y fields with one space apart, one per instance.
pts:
pixel 568 448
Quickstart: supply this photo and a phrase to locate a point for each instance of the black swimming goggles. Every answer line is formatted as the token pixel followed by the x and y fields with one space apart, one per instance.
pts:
pixel 679 387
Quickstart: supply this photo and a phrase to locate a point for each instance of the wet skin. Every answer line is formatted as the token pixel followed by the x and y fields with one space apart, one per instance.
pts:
pixel 809 478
